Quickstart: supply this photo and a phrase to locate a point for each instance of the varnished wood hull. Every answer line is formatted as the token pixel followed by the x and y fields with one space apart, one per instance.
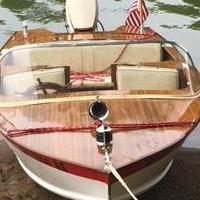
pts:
pixel 142 157
pixel 72 186
pixel 54 138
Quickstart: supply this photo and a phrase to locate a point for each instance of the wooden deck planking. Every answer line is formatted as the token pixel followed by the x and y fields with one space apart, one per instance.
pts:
pixel 75 113
pixel 80 148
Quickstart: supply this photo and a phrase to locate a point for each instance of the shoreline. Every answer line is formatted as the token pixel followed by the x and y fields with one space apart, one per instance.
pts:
pixel 181 183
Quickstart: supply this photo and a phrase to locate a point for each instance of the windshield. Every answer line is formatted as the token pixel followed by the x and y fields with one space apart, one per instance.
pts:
pixel 57 70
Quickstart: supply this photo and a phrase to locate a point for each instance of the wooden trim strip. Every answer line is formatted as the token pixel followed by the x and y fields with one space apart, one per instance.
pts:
pixel 93 97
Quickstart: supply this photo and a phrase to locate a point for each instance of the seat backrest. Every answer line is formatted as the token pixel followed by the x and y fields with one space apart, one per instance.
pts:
pixel 19 83
pixel 145 78
pixel 57 56
pixel 137 53
pixel 95 57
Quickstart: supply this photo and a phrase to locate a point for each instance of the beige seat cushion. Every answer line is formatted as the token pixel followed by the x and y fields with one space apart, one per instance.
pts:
pixel 145 52
pixel 146 78
pixel 95 57
pixel 57 56
pixel 19 83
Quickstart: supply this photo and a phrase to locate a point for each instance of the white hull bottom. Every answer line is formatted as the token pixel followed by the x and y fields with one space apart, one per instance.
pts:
pixel 76 187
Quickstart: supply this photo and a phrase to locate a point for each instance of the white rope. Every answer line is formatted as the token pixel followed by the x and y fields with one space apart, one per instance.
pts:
pixel 110 167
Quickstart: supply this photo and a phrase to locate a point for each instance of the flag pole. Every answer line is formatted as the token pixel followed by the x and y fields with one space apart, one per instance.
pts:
pixel 141 16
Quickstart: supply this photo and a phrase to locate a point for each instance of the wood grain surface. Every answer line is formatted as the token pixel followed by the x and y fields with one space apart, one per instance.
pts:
pixel 125 107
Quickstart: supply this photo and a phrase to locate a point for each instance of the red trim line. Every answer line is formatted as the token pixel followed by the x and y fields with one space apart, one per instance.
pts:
pixel 141 164
pixel 91 173
pixel 115 128
pixel 100 175
pixel 63 165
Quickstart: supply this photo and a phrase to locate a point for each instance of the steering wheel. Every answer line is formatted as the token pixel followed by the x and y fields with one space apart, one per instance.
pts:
pixel 45 88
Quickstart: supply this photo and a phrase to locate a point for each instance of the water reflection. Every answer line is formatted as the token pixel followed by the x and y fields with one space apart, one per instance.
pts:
pixel 195 25
pixel 192 2
pixel 186 10
pixel 2 22
pixel 189 8
pixel 35 11
pixel 45 11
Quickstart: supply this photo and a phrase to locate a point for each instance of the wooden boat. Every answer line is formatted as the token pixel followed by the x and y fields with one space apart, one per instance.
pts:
pixel 85 112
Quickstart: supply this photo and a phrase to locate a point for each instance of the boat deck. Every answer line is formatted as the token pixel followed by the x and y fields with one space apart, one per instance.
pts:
pixel 43 36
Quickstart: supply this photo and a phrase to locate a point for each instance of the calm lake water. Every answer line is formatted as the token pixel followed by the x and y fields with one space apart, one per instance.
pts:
pixel 177 20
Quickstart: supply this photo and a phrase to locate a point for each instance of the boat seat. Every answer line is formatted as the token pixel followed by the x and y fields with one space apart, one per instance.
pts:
pixel 95 57
pixel 144 78
pixel 16 84
pixel 136 53
pixel 131 54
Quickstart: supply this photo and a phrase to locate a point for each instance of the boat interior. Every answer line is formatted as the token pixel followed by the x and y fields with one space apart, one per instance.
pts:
pixel 97 65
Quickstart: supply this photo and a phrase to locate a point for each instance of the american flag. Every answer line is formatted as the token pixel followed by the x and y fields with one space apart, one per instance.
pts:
pixel 136 18
pixel 132 29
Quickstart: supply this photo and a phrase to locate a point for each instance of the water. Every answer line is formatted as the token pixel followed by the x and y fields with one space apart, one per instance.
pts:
pixel 177 20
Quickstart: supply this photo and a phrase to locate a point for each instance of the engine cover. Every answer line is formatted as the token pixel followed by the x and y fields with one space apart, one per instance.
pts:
pixel 81 14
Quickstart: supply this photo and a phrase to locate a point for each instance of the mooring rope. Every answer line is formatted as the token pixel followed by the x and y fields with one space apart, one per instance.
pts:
pixel 115 127
pixel 110 168
pixel 119 178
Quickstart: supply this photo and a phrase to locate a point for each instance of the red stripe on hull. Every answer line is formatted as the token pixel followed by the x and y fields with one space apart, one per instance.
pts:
pixel 63 165
pixel 145 162
pixel 94 174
